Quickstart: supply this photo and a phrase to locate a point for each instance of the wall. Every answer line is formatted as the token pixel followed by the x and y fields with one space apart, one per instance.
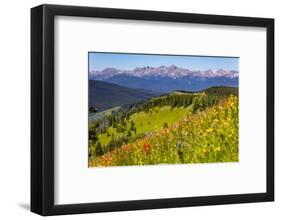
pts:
pixel 15 110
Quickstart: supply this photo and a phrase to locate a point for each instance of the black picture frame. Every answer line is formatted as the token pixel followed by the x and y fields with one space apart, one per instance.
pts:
pixel 42 109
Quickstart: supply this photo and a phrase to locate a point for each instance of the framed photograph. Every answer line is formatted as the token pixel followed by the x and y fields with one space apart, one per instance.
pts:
pixel 136 109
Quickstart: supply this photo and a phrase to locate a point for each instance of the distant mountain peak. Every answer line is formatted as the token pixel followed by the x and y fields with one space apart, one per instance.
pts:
pixel 110 70
pixel 173 66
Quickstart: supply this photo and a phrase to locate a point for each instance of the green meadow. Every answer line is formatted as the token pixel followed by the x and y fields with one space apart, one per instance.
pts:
pixel 149 121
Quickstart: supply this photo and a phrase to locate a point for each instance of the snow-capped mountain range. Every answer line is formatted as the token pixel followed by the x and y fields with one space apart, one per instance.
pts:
pixel 171 71
pixel 166 78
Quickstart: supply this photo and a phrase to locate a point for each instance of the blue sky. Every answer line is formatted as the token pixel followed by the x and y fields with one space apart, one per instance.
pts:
pixel 100 61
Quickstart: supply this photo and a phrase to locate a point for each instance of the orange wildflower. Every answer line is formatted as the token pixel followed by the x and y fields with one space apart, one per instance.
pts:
pixel 146 147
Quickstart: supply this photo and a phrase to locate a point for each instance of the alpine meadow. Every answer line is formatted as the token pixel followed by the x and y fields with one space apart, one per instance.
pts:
pixel 148 109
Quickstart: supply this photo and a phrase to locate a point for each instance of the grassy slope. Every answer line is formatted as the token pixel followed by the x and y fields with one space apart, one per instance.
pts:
pixel 100 115
pixel 207 136
pixel 147 122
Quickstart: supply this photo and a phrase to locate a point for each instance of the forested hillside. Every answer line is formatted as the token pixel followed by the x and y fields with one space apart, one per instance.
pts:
pixel 103 95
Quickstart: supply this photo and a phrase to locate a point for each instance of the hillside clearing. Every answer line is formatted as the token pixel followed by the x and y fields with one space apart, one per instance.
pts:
pixel 148 121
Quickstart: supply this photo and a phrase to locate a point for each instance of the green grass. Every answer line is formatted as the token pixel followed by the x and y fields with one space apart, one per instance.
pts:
pixel 148 122
pixel 100 115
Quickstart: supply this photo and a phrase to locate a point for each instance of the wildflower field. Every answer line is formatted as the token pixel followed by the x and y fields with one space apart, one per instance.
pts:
pixel 182 128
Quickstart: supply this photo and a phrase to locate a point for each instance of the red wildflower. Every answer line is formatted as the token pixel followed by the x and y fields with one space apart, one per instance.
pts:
pixel 146 147
pixel 127 147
